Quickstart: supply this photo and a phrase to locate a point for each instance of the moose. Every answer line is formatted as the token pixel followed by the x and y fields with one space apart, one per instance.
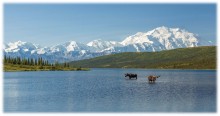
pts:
pixel 152 78
pixel 130 75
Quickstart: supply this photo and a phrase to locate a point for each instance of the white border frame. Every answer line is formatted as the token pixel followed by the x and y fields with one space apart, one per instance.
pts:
pixel 106 1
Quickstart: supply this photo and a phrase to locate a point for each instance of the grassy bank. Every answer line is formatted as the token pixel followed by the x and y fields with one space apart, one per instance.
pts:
pixel 16 67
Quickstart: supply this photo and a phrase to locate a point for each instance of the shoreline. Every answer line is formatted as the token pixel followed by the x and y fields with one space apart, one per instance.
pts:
pixel 151 68
pixel 27 68
pixel 83 69
pixel 89 69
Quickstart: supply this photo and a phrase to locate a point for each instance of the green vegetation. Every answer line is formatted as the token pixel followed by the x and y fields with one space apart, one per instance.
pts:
pixel 23 64
pixel 182 58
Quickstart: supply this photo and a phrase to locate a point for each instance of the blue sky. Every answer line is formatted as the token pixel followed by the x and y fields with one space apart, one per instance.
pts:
pixel 50 24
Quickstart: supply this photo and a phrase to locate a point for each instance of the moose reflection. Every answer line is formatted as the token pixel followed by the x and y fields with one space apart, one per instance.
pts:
pixel 130 75
pixel 152 79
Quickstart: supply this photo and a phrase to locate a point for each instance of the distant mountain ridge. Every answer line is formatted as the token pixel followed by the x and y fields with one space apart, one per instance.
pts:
pixel 158 39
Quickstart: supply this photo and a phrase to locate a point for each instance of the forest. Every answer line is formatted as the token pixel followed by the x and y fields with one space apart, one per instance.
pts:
pixel 39 64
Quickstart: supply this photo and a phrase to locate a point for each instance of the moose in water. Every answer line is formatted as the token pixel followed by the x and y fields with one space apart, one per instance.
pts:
pixel 130 75
pixel 152 78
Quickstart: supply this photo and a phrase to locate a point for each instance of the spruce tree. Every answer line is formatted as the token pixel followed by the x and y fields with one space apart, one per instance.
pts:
pixel 32 61
pixel 5 59
pixel 38 62
pixel 64 64
pixel 41 60
pixel 28 61
pixel 9 59
pixel 18 60
pixel 35 62
pixel 47 63
pixel 14 61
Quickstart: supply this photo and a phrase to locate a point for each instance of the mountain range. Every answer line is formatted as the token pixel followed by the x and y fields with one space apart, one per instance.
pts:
pixel 158 39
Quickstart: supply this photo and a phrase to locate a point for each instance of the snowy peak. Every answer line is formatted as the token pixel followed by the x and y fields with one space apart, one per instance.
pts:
pixel 161 32
pixel 68 47
pixel 100 45
pixel 74 46
pixel 164 37
pixel 20 46
pixel 144 37
pixel 137 38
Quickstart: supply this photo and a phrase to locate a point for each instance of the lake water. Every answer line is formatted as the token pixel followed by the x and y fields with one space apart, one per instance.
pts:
pixel 106 90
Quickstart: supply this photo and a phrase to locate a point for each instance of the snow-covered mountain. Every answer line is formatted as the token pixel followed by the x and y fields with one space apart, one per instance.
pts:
pixel 161 38
pixel 100 45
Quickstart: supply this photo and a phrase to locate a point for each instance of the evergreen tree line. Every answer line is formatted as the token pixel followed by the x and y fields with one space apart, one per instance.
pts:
pixel 31 61
pixel 26 61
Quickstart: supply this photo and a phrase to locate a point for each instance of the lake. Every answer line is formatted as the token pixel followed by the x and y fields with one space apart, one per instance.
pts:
pixel 107 90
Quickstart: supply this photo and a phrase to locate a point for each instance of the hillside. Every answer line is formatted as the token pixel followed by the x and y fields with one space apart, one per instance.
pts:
pixel 182 58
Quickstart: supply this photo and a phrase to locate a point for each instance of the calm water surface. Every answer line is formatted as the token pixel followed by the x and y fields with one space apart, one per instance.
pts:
pixel 106 90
